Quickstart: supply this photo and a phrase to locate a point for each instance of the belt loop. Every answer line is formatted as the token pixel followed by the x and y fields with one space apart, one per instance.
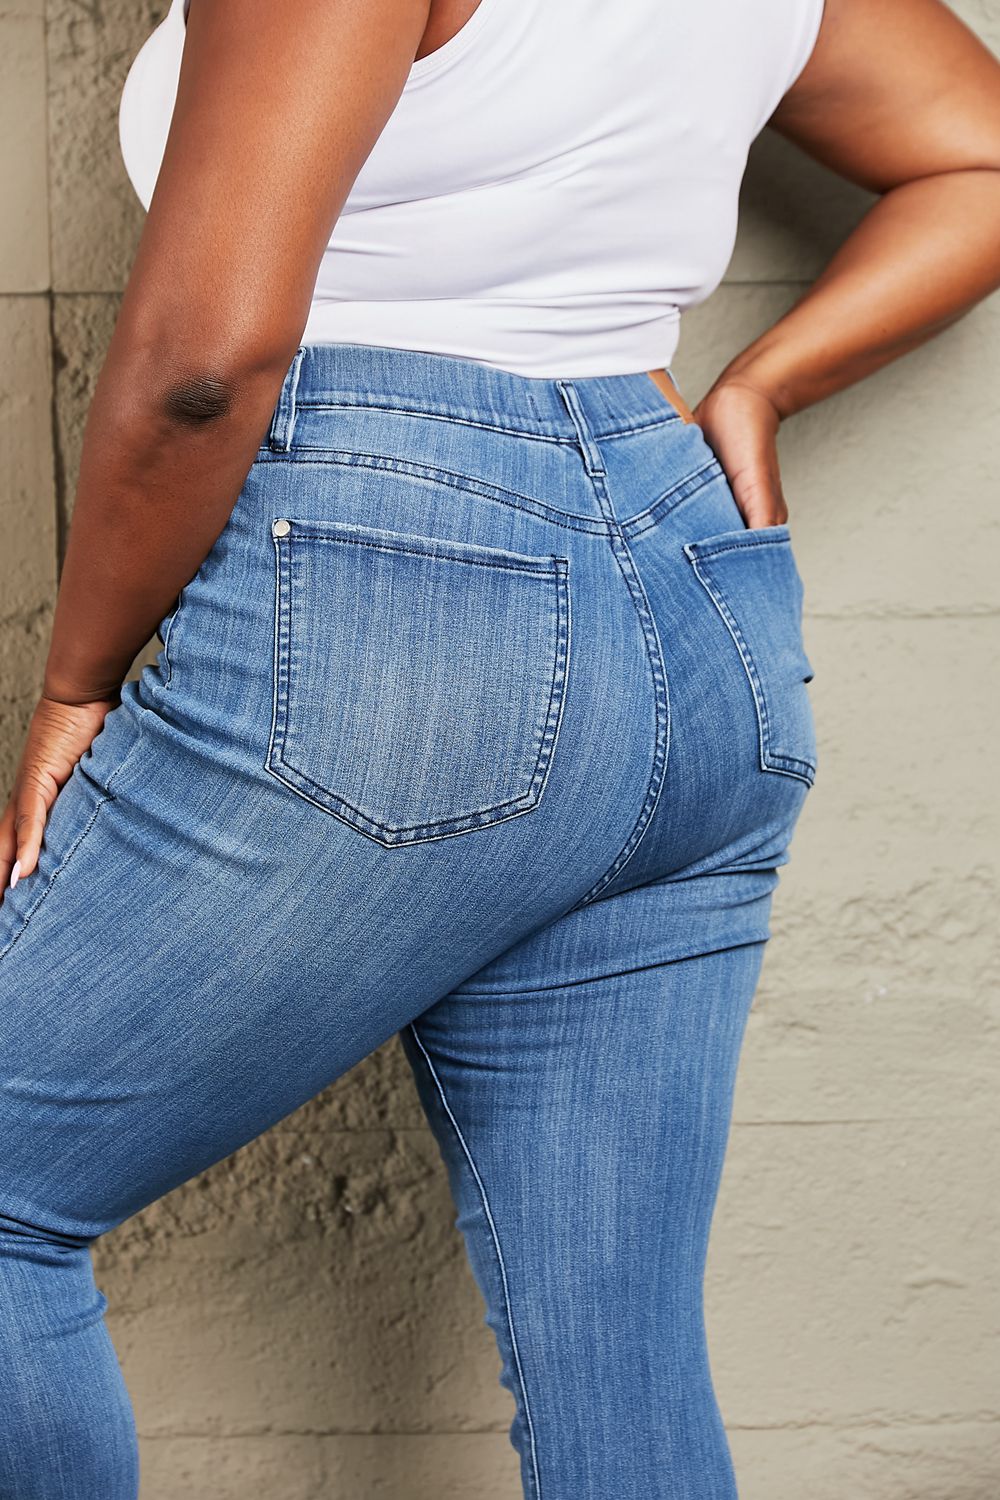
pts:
pixel 592 459
pixel 283 421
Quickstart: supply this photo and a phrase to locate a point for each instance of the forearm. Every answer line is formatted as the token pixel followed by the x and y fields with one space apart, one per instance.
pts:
pixel 167 446
pixel 267 135
pixel 925 253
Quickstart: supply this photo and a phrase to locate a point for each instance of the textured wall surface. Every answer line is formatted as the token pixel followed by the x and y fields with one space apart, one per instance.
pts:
pixel 299 1322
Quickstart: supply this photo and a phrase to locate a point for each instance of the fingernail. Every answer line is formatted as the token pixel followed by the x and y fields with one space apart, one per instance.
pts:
pixel 15 874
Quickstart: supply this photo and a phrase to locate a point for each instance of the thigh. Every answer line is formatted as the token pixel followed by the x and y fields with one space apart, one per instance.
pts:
pixel 580 1088
pixel 189 963
pixel 221 924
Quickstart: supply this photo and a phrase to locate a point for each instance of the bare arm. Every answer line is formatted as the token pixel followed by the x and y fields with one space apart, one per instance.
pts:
pixel 902 98
pixel 277 108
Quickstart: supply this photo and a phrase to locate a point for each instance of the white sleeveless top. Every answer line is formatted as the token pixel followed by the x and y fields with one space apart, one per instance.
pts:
pixel 555 185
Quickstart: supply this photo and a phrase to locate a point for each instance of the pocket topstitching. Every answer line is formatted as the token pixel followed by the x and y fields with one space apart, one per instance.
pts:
pixel 753 580
pixel 418 682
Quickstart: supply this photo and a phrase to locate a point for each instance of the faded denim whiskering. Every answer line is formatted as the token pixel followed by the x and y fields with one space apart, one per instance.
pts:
pixel 485 721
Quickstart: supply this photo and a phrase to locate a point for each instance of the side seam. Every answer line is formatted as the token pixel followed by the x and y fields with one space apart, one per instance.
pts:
pixel 26 918
pixel 106 795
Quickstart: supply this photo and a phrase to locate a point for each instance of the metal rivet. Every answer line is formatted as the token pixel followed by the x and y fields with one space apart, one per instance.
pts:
pixel 281 527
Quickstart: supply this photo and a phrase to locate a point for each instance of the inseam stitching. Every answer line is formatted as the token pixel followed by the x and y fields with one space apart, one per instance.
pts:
pixel 496 1246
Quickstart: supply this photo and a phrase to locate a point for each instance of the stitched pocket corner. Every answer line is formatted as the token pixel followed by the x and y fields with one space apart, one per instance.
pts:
pixel 753 580
pixel 418 683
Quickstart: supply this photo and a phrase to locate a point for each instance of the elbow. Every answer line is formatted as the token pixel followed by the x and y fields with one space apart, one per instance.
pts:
pixel 198 392
pixel 195 383
pixel 201 394
pixel 198 400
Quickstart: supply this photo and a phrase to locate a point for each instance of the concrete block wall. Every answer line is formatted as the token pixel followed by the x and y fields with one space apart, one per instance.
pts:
pixel 299 1321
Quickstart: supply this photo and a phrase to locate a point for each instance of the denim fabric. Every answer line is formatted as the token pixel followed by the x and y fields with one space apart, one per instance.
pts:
pixel 485 721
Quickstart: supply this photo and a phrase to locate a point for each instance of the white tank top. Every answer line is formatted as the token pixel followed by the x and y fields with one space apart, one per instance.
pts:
pixel 555 185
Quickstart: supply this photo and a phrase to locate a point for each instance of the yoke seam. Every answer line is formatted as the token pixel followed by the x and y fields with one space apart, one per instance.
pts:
pixel 464 483
pixel 484 1198
pixel 437 416
pixel 566 439
pixel 684 489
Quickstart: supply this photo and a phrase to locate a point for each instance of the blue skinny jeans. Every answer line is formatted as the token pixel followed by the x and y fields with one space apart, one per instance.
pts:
pixel 484 722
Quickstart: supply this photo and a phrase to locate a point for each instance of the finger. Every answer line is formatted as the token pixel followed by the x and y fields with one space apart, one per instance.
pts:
pixel 29 827
pixel 758 506
pixel 8 845
pixel 765 518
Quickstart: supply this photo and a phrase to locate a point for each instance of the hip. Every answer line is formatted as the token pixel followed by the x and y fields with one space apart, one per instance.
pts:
pixel 455 604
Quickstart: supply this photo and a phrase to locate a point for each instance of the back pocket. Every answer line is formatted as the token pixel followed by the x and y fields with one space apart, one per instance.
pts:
pixel 418 683
pixel 752 579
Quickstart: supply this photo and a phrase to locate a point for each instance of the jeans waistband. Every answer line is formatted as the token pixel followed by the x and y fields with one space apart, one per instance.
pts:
pixel 444 385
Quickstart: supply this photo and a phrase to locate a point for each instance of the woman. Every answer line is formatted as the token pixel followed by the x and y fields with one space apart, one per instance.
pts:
pixel 482 710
